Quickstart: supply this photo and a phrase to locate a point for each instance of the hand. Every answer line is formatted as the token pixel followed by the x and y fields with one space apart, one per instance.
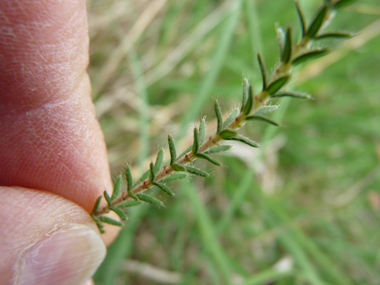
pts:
pixel 53 161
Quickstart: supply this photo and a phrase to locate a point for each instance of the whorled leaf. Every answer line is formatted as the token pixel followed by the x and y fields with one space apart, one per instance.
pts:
pixel 302 18
pixel 280 38
pixel 248 106
pixel 245 140
pixel 110 221
pixel 317 22
pixel 178 167
pixel 333 35
pixel 108 198
pixel 227 133
pixel 232 116
pixel 172 149
pixel 159 160
pixel 309 56
pixel 343 3
pixel 263 70
pixel 245 88
pixel 286 53
pixel 196 141
pixel 129 203
pixel 202 131
pixel 152 174
pixel 149 199
pixel 209 158
pixel 97 203
pixel 277 84
pixel 173 177
pixel 116 188
pixel 99 224
pixel 164 188
pixel 120 213
pixel 262 118
pixel 196 171
pixel 219 116
pixel 266 109
pixel 293 94
pixel 129 179
pixel 218 149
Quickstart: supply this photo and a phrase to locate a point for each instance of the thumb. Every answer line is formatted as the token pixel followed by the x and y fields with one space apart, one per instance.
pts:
pixel 54 242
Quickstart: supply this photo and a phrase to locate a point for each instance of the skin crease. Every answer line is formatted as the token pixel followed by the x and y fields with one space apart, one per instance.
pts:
pixel 53 157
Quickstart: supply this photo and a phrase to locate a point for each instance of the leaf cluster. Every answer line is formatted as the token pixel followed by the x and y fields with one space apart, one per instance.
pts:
pixel 253 108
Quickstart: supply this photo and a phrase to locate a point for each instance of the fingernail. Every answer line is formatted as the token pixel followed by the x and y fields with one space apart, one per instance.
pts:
pixel 69 255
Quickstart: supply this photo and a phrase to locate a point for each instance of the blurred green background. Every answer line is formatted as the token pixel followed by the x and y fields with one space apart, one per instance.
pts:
pixel 302 209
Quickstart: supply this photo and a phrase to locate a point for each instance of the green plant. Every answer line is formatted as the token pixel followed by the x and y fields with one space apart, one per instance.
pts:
pixel 253 107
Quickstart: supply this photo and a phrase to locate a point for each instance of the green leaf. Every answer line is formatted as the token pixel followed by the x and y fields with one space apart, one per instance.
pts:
pixel 209 158
pixel 196 171
pixel 202 131
pixel 343 3
pixel 99 224
pixel 218 149
pixel 186 151
pixel 310 55
pixel 266 109
pixel 227 133
pixel 317 22
pixel 178 167
pixel 142 178
pixel 164 188
pixel 152 175
pixel 116 188
pixel 232 116
pixel 108 198
pixel 262 118
pixel 263 70
pixel 173 152
pixel 173 177
pixel 287 51
pixel 120 213
pixel 280 38
pixel 128 178
pixel 245 84
pixel 333 35
pixel 159 160
pixel 110 221
pixel 277 84
pixel 302 19
pixel 129 203
pixel 196 141
pixel 96 206
pixel 247 108
pixel 293 94
pixel 244 140
pixel 219 116
pixel 150 200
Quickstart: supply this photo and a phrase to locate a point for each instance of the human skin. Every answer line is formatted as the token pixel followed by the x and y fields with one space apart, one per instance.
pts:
pixel 53 160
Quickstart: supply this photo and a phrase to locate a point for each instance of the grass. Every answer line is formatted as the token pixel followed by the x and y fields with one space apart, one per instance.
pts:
pixel 305 208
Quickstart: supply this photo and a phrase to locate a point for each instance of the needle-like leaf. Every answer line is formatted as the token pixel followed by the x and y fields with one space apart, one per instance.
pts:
pixel 110 221
pixel 263 70
pixel 219 116
pixel 262 118
pixel 209 158
pixel 164 188
pixel 159 160
pixel 150 200
pixel 172 149
pixel 196 141
pixel 116 188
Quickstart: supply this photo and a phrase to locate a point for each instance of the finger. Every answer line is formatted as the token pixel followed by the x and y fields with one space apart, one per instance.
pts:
pixel 46 239
pixel 50 138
